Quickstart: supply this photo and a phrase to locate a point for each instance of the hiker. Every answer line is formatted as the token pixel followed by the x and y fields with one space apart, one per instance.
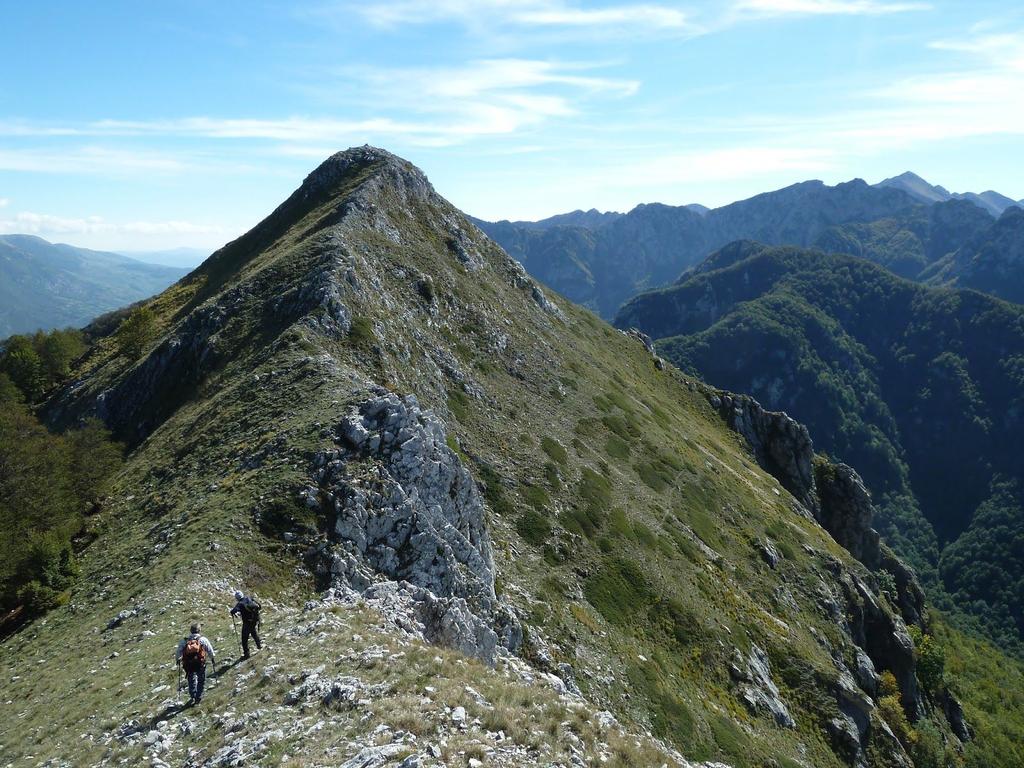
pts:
pixel 192 653
pixel 249 609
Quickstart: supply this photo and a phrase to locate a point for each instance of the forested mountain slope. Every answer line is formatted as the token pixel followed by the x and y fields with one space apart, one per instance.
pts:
pixel 920 388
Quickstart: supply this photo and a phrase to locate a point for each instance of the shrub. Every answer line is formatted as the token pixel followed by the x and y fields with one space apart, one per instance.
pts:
pixel 892 713
pixel 616 447
pixel 494 492
pixel 534 527
pixel 931 660
pixel 555 450
pixel 459 404
pixel 361 332
pixel 136 332
pixel 887 685
pixel 536 497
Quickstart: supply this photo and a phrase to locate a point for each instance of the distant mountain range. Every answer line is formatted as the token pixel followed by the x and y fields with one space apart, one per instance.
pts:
pixel 993 202
pixel 45 285
pixel 602 259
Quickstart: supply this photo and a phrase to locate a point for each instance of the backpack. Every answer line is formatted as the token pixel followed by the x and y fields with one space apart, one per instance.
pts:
pixel 250 610
pixel 194 655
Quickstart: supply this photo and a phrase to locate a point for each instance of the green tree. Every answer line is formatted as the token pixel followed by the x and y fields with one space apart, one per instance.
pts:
pixel 47 483
pixel 931 660
pixel 136 332
pixel 94 459
pixel 10 395
pixel 21 362
pixel 57 350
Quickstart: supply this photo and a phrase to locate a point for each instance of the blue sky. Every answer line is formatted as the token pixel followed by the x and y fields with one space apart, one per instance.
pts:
pixel 154 125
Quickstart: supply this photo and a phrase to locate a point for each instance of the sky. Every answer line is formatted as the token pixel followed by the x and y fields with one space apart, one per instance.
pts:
pixel 137 126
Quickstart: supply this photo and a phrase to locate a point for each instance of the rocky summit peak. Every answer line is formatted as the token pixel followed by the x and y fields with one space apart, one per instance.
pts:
pixel 356 162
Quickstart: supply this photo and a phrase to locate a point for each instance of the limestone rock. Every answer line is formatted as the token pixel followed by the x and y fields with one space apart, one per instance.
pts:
pixel 410 528
pixel 758 691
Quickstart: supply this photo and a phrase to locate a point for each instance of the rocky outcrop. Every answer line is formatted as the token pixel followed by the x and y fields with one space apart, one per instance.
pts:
pixel 845 511
pixel 757 689
pixel 833 493
pixel 404 510
pixel 644 339
pixel 836 497
pixel 781 445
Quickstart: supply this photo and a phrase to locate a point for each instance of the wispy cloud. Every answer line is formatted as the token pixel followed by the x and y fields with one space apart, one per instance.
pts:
pixel 30 223
pixel 439 106
pixel 4 202
pixel 88 160
pixel 1004 49
pixel 524 13
pixel 825 7
pixel 615 20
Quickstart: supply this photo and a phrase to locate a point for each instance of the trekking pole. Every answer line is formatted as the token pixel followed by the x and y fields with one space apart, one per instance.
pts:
pixel 237 634
pixel 178 665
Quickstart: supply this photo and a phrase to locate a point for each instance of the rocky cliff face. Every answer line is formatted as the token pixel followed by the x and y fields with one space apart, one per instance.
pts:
pixel 836 497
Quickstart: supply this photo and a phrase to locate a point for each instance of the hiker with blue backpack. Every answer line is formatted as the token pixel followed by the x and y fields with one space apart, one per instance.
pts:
pixel 191 655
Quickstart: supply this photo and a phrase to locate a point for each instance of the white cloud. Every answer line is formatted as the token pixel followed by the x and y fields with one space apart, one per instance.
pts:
pixel 615 20
pixel 30 223
pixel 1004 50
pixel 88 160
pixel 4 202
pixel 523 13
pixel 440 106
pixel 825 7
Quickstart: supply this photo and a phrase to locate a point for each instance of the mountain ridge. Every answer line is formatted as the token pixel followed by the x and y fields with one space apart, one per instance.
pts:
pixel 990 201
pixel 654 243
pixel 367 413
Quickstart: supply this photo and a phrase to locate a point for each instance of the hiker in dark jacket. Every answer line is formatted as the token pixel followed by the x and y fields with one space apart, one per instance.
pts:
pixel 249 609
pixel 192 653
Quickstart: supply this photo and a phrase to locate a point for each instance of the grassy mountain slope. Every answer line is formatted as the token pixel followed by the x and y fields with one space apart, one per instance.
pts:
pixel 43 285
pixel 603 266
pixel 917 387
pixel 643 553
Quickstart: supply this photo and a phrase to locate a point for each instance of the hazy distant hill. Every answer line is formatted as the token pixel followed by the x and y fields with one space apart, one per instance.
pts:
pixel 913 244
pixel 47 285
pixel 992 261
pixel 171 257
